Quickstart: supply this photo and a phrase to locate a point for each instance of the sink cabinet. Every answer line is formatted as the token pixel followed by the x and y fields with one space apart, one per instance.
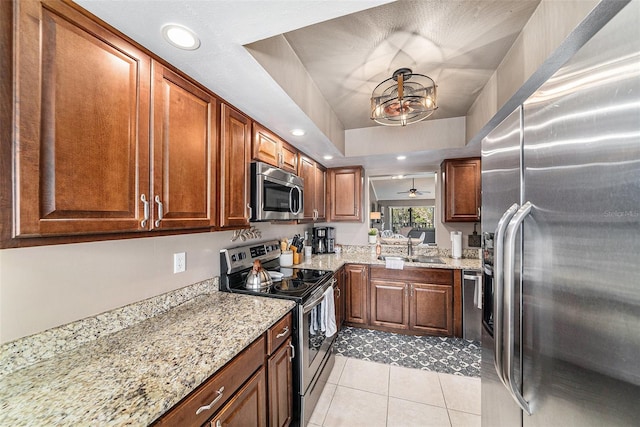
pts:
pixel 461 189
pixel 415 300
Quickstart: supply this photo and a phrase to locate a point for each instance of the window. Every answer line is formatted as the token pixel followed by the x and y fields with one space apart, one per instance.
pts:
pixel 414 217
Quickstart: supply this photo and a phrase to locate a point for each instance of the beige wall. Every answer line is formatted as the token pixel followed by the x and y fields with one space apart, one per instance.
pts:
pixel 48 286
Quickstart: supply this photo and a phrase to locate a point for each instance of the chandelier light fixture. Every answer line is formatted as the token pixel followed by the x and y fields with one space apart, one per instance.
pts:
pixel 403 99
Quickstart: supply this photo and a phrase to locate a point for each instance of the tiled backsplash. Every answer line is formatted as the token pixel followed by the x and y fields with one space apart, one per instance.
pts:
pixel 29 350
pixel 402 250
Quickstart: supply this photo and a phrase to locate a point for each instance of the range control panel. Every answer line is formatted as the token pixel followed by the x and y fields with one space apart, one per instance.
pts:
pixel 242 257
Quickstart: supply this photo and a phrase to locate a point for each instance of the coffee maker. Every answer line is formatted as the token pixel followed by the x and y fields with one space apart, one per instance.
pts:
pixel 324 239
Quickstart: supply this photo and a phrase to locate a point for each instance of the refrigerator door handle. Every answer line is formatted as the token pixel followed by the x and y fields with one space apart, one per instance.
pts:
pixel 498 300
pixel 509 298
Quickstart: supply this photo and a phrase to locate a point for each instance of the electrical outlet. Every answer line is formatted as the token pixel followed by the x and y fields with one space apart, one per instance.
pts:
pixel 179 262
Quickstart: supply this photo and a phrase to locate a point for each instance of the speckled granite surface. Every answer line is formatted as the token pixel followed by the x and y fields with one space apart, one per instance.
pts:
pixel 133 376
pixel 33 349
pixel 335 261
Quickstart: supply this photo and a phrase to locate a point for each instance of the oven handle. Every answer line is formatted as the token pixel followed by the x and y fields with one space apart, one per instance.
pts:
pixel 307 307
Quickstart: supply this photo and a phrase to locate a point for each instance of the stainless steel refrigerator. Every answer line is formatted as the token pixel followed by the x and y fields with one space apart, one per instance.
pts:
pixel 561 243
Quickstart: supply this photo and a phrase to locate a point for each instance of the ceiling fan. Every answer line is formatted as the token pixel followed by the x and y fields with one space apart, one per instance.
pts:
pixel 412 191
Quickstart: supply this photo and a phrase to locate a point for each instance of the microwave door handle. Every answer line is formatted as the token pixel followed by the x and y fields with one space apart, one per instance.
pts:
pixel 300 199
pixel 498 298
pixel 509 297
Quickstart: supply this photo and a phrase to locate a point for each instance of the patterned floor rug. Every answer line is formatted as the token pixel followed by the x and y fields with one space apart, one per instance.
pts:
pixel 440 354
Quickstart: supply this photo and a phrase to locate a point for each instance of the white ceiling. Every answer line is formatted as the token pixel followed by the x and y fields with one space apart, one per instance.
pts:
pixel 346 47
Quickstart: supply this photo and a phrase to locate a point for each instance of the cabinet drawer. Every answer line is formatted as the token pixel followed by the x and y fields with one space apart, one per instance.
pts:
pixel 440 276
pixel 224 384
pixel 278 333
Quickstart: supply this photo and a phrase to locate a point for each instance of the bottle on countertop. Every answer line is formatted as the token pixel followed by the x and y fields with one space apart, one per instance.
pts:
pixel 378 247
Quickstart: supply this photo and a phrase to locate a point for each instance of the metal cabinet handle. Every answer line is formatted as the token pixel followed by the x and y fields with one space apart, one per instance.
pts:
pixel 250 210
pixel 145 204
pixel 213 402
pixel 411 289
pixel 293 351
pixel 498 289
pixel 509 297
pixel 160 211
pixel 478 212
pixel 338 292
pixel 284 332
pixel 218 423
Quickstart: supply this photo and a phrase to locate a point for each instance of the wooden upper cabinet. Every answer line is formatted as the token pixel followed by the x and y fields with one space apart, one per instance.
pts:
pixel 269 148
pixel 82 111
pixel 184 153
pixel 235 156
pixel 462 189
pixel 315 178
pixel 345 194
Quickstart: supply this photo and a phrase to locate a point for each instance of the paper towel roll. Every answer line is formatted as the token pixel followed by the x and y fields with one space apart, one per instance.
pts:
pixel 456 244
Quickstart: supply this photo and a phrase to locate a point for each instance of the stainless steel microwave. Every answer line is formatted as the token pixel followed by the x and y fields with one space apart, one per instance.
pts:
pixel 276 195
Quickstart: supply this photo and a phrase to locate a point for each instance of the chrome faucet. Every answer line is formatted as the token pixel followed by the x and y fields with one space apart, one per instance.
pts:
pixel 409 247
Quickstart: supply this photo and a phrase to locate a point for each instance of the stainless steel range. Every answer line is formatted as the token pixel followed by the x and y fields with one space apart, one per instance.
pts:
pixel 311 290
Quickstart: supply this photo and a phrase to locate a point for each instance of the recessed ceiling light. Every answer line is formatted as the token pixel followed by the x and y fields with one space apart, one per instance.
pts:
pixel 328 157
pixel 297 132
pixel 180 37
pixel 401 157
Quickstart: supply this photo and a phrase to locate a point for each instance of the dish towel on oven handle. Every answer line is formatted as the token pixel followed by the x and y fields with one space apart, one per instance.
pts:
pixel 328 314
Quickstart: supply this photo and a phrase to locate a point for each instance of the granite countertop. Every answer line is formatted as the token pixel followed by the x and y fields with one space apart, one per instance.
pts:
pixel 133 376
pixel 334 261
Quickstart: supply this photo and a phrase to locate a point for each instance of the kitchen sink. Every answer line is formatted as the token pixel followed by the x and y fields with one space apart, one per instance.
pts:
pixel 394 257
pixel 427 259
pixel 417 258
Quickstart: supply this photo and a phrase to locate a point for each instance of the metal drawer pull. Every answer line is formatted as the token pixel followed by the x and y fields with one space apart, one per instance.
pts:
pixel 160 211
pixel 293 352
pixel 284 332
pixel 210 405
pixel 145 204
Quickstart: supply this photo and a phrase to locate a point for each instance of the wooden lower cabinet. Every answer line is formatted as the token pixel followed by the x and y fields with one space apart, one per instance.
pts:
pixel 414 301
pixel 339 296
pixel 357 294
pixel 254 389
pixel 280 379
pixel 431 308
pixel 248 407
pixel 389 304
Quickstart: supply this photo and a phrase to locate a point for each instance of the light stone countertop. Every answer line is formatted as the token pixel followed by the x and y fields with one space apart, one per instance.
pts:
pixel 334 261
pixel 133 376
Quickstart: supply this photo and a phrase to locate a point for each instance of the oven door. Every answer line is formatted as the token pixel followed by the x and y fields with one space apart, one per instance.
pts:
pixel 314 344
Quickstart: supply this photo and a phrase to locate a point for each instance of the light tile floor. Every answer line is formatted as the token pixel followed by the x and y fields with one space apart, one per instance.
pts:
pixel 363 393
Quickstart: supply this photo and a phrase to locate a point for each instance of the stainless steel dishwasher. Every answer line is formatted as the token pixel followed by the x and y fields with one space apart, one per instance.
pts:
pixel 472 305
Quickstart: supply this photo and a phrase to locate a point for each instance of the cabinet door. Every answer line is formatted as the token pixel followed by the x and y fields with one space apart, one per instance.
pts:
pixel 320 190
pixel 431 308
pixel 389 304
pixel 184 152
pixel 248 407
pixel 266 146
pixel 345 192
pixel 462 190
pixel 82 147
pixel 307 172
pixel 288 158
pixel 280 386
pixel 357 298
pixel 235 155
